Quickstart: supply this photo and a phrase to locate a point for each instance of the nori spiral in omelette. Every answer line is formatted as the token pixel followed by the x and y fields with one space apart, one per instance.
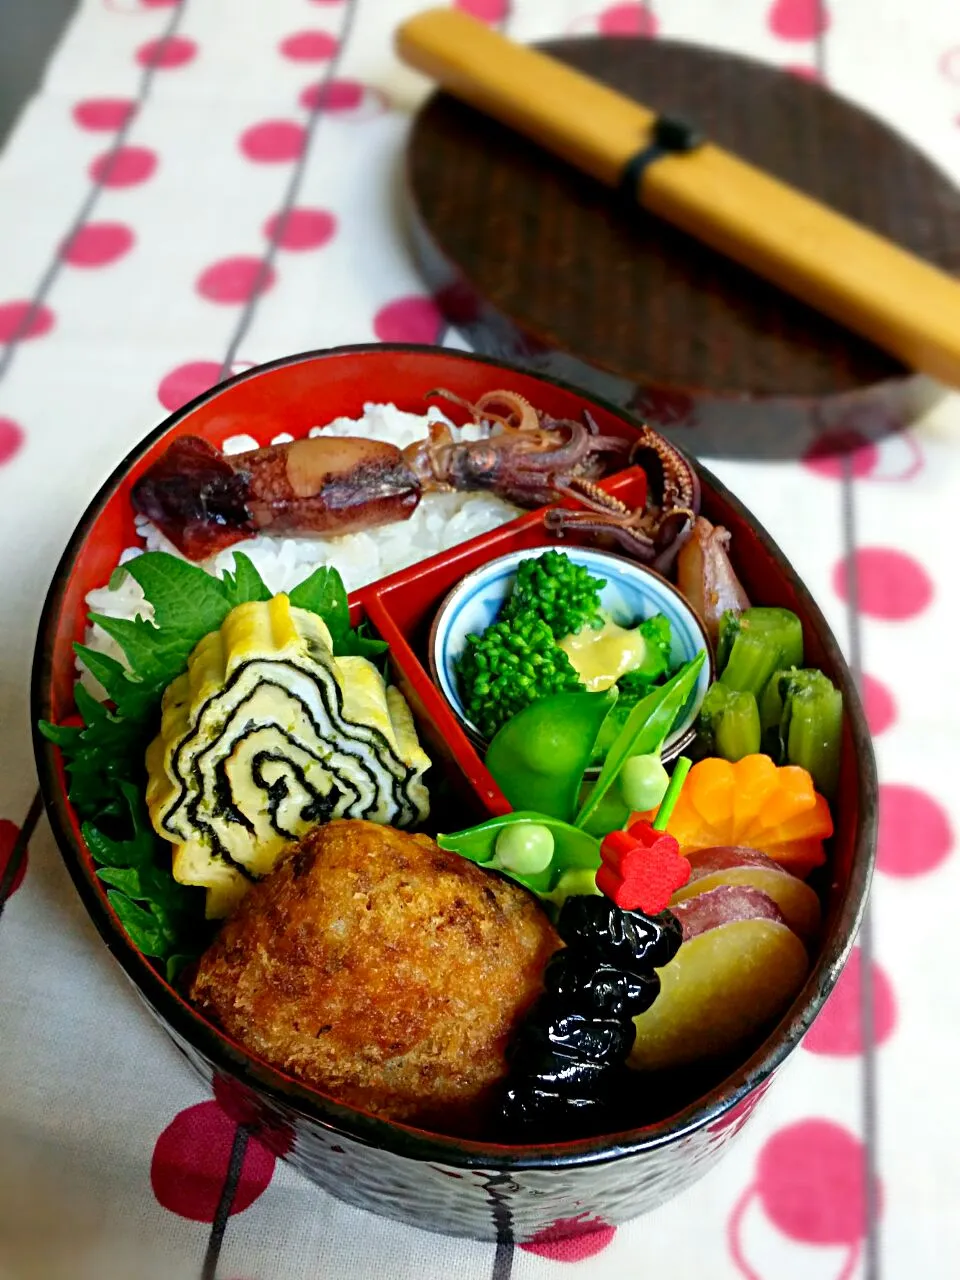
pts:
pixel 266 735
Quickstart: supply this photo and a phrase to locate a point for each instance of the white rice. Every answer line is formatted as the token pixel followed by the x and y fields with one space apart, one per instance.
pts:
pixel 440 521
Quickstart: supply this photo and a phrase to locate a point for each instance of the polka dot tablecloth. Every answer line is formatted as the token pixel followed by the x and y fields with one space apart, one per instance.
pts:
pixel 204 185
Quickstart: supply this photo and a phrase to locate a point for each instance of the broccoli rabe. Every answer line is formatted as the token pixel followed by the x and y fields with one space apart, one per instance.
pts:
pixel 656 632
pixel 509 666
pixel 518 660
pixel 565 595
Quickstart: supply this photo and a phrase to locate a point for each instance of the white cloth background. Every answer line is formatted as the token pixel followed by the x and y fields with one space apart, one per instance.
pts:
pixel 88 1085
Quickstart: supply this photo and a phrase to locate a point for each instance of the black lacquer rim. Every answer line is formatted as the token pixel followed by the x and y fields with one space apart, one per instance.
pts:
pixel 358 1126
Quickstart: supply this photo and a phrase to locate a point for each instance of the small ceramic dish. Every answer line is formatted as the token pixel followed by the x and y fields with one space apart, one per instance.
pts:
pixel 631 594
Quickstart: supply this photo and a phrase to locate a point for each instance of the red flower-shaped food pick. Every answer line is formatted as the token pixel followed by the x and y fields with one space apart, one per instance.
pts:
pixel 641 869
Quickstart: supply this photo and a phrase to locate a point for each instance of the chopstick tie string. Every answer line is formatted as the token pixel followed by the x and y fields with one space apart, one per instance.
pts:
pixel 669 135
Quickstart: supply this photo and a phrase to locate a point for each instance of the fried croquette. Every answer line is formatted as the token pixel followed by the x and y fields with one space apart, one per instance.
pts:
pixel 382 970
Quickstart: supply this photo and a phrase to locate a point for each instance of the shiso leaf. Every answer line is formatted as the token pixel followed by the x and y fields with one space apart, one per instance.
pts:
pixel 126 878
pixel 244 585
pixel 139 847
pixel 188 603
pixel 111 673
pixel 114 855
pixel 141 924
pixel 98 755
pixel 130 696
pixel 359 643
pixel 184 596
pixel 149 902
pixel 323 593
pixel 65 736
pixel 156 654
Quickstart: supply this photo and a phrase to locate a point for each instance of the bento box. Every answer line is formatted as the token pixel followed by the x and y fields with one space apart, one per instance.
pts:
pixel 375 908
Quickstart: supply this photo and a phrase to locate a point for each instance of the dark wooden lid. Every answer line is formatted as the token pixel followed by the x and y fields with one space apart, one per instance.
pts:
pixel 534 260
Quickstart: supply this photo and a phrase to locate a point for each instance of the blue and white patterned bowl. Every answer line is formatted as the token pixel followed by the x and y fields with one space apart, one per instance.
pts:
pixel 632 593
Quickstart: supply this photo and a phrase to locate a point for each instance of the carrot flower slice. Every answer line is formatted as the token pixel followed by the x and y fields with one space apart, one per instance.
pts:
pixel 711 798
pixel 755 804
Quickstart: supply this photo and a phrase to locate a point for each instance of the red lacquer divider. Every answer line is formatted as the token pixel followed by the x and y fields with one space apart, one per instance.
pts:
pixel 442 737
pixel 403 606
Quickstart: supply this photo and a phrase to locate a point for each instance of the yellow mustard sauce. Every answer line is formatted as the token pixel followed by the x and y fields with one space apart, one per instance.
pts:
pixel 601 657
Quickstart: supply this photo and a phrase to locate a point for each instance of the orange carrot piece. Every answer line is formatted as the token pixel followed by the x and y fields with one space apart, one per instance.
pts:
pixel 755 804
pixel 799 857
pixel 711 795
pixel 792 795
pixel 756 782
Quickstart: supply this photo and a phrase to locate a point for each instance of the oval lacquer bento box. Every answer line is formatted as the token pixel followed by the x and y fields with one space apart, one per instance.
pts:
pixel 430 1180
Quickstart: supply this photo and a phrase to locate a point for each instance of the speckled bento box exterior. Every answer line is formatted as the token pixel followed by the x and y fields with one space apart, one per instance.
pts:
pixel 495 1203
pixel 437 1182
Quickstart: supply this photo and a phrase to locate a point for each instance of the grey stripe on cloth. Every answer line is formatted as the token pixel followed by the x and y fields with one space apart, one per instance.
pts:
pixel 868 1101
pixel 221 1217
pixel 872 1266
pixel 290 197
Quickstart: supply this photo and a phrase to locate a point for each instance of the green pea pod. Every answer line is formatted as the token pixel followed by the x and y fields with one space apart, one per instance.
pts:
pixel 609 813
pixel 646 729
pixel 573 850
pixel 538 757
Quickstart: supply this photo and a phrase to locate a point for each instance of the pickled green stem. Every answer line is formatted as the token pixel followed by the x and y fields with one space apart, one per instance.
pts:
pixel 730 721
pixel 756 643
pixel 813 711
pixel 672 794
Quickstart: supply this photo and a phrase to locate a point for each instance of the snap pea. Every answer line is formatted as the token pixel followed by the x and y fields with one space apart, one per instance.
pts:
pixel 574 851
pixel 646 729
pixel 524 847
pixel 537 759
pixel 643 782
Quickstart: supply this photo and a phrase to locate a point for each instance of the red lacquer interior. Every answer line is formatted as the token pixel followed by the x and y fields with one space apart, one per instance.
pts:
pixel 315 390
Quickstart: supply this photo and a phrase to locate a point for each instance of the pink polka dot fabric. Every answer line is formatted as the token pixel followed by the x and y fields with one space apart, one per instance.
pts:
pixel 167 53
pixel 22 320
pixel 191 1159
pixel 234 280
pixel 9 831
pixel 204 186
pixel 97 244
pixel 124 167
pixel 102 115
pixel 186 381
pixel 798 19
pixel 273 141
pixel 300 229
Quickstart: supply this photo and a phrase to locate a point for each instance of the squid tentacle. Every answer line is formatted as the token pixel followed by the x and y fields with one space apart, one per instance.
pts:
pixel 558 520
pixel 205 501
